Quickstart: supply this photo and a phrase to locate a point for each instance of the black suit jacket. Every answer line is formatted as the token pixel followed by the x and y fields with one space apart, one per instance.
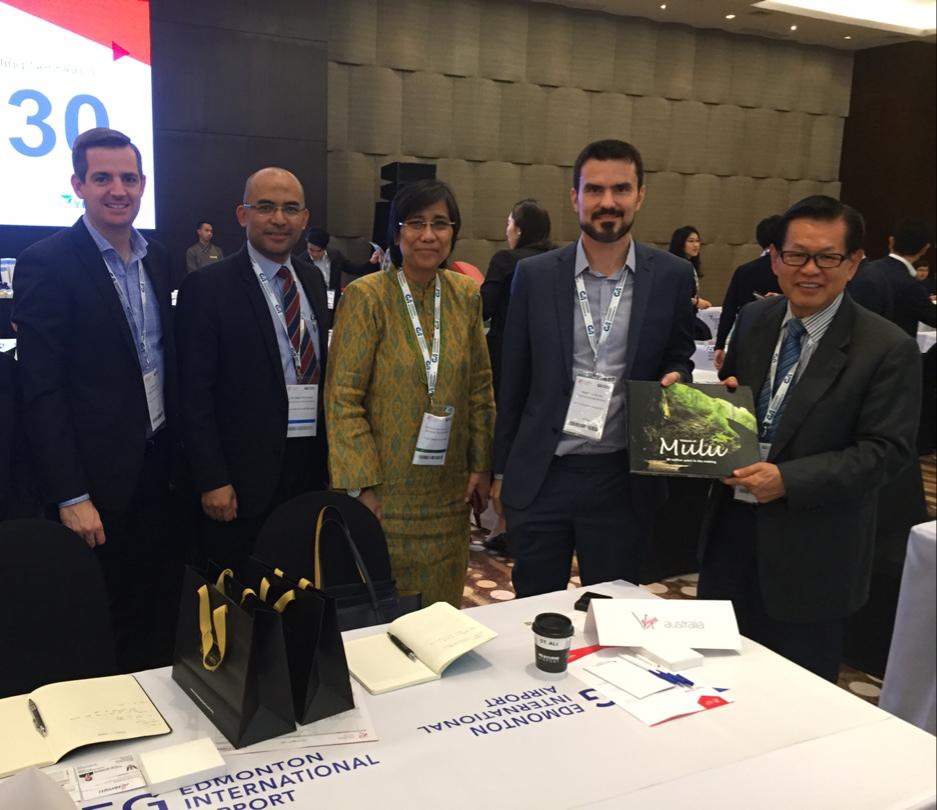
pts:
pixel 338 265
pixel 848 429
pixel 869 288
pixel 752 277
pixel 234 400
pixel 910 303
pixel 84 403
pixel 537 366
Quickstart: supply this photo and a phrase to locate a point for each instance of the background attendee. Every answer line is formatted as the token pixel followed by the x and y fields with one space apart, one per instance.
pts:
pixel 564 493
pixel 869 288
pixel 332 263
pixel 910 304
pixel 527 233
pixel 686 243
pixel 750 281
pixel 388 382
pixel 254 352
pixel 203 251
pixel 97 366
pixel 790 539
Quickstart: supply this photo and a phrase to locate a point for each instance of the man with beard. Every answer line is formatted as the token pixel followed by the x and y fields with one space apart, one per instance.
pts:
pixel 584 319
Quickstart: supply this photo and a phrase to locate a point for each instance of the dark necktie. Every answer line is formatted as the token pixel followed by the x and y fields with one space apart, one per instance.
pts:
pixel 308 372
pixel 787 359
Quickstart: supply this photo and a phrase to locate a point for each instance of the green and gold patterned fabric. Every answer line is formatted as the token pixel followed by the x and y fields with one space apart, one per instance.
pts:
pixel 375 398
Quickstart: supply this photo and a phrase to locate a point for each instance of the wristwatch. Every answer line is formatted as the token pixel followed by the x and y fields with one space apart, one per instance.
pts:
pixel 354 493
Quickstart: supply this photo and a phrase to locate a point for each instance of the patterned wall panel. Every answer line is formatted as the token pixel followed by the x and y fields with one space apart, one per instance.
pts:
pixel 426 125
pixel 503 94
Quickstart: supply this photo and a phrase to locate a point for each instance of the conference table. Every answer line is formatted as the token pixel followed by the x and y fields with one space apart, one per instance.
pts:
pixel 910 687
pixel 496 732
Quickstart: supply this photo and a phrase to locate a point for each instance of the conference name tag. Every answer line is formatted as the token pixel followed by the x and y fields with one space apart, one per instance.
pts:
pixel 330 296
pixel 433 441
pixel 303 410
pixel 588 406
pixel 154 399
pixel 742 494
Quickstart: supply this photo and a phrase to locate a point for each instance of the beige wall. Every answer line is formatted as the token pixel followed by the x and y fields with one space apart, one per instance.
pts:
pixel 502 96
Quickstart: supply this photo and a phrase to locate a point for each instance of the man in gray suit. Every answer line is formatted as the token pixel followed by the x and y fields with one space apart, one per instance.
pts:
pixel 582 321
pixel 790 539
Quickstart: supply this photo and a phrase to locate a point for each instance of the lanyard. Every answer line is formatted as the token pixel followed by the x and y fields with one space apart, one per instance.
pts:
pixel 265 285
pixel 609 313
pixel 430 362
pixel 778 397
pixel 140 330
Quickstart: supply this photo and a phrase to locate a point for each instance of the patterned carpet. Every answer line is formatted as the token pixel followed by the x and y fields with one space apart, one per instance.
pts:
pixel 489 580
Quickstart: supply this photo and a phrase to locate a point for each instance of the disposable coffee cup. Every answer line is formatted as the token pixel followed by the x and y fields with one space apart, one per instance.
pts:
pixel 553 635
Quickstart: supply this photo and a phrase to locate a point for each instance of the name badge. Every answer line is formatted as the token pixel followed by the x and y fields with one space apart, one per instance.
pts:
pixel 154 399
pixel 433 441
pixel 303 410
pixel 742 494
pixel 330 296
pixel 588 406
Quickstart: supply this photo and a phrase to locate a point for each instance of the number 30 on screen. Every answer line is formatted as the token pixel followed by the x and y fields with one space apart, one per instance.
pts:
pixel 39 120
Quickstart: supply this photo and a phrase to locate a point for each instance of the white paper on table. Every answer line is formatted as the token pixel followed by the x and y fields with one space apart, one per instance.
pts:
pixel 703 624
pixel 109 777
pixel 353 726
pixel 635 681
pixel 66 779
pixel 32 788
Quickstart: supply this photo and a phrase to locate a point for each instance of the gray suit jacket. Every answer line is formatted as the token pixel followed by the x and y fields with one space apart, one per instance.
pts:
pixel 848 428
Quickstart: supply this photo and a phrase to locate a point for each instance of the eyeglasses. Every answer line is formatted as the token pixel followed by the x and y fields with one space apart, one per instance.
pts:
pixel 825 261
pixel 419 225
pixel 269 209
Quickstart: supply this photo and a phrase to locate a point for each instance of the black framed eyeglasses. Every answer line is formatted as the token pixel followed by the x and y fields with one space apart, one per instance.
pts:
pixel 269 209
pixel 825 261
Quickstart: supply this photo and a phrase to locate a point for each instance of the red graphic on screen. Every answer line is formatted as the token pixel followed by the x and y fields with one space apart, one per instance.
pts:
pixel 121 25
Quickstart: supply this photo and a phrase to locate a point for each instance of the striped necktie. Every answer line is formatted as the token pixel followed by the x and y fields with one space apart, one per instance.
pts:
pixel 787 359
pixel 308 372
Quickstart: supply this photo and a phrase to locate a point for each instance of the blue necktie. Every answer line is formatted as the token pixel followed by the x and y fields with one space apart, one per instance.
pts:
pixel 787 359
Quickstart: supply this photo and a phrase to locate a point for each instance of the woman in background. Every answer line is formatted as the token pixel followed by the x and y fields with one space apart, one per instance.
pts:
pixel 528 233
pixel 408 366
pixel 687 244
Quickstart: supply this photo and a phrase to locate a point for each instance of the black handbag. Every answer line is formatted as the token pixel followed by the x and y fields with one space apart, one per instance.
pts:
pixel 230 658
pixel 366 602
pixel 321 686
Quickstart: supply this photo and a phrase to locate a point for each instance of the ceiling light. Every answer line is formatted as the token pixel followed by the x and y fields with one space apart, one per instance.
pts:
pixel 910 17
pixel 663 7
pixel 793 28
pixel 847 37
pixel 730 16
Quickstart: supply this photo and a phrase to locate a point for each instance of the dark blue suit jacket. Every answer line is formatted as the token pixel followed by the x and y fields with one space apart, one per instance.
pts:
pixel 537 363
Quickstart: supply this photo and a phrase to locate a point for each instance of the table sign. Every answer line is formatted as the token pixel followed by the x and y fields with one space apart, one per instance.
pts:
pixel 699 624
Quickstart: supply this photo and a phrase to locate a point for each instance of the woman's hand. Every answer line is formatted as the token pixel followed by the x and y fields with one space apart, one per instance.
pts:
pixel 369 498
pixel 702 303
pixel 476 493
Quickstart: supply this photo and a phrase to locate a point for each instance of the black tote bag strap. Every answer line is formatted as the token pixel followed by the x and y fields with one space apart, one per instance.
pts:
pixel 339 521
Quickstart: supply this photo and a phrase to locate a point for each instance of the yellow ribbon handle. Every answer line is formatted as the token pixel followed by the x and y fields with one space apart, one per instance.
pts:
pixel 304 583
pixel 212 625
pixel 264 588
pixel 222 577
pixel 280 605
pixel 246 593
pixel 317 570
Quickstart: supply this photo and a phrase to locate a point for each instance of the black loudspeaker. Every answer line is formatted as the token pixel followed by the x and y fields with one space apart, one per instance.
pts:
pixel 397 175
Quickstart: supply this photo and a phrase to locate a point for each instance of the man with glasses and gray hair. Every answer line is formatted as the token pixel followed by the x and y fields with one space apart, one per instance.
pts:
pixel 253 330
pixel 790 539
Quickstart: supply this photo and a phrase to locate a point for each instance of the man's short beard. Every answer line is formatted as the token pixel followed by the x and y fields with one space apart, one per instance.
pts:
pixel 606 235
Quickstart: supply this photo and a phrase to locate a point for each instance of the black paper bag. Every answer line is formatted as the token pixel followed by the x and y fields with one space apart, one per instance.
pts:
pixel 231 660
pixel 314 649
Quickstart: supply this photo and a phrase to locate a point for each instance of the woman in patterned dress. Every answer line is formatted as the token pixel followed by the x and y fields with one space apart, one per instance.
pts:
pixel 378 396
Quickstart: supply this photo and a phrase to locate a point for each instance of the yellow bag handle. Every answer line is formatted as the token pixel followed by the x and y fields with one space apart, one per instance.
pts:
pixel 280 605
pixel 222 577
pixel 317 571
pixel 212 625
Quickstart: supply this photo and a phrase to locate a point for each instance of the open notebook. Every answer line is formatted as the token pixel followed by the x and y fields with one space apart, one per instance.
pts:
pixel 73 713
pixel 437 635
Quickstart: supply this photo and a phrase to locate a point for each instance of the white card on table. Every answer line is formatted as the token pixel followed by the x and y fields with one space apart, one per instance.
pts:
pixel 635 681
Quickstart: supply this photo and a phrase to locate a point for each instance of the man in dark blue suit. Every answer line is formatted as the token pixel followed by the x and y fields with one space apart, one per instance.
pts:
pixel 582 321
pixel 97 366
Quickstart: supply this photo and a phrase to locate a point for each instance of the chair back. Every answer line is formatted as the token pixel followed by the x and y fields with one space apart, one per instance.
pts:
pixel 55 624
pixel 468 269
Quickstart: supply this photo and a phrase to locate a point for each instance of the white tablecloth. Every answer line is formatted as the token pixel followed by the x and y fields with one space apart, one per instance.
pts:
pixel 910 688
pixel 791 740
